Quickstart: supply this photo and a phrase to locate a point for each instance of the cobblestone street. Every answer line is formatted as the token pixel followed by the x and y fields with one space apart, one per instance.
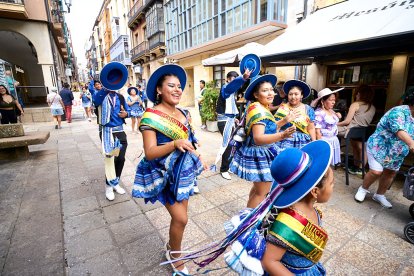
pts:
pixel 56 220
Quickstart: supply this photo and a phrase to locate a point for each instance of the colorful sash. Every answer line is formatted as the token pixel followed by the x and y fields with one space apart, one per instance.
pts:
pixel 164 123
pixel 300 123
pixel 300 234
pixel 255 113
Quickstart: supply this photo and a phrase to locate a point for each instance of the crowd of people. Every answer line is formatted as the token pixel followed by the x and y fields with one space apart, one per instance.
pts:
pixel 284 146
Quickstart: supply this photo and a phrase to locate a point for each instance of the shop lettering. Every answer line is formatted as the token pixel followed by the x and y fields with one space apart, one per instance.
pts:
pixel 408 4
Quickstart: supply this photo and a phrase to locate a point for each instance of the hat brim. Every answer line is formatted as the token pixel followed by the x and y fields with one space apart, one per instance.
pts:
pixel 320 153
pixel 248 95
pixel 315 101
pixel 132 88
pixel 251 62
pixel 161 71
pixel 303 85
pixel 114 75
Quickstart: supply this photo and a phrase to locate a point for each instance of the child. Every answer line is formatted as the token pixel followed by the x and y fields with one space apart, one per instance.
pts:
pixel 296 240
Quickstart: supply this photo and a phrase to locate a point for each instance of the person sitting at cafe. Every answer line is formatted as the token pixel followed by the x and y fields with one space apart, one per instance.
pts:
pixel 360 114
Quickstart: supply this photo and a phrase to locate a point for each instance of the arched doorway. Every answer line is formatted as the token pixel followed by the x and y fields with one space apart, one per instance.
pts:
pixel 20 52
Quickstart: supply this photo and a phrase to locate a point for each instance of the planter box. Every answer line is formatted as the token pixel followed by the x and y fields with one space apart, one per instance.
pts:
pixel 212 126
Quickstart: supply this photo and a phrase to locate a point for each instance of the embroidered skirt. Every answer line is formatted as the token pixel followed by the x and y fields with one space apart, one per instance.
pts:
pixel 252 162
pixel 298 140
pixel 168 180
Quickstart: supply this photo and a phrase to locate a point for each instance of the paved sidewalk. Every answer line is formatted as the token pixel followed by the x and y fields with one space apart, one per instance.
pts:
pixel 56 220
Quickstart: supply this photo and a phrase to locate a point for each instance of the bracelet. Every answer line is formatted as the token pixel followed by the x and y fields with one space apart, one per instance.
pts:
pixel 175 146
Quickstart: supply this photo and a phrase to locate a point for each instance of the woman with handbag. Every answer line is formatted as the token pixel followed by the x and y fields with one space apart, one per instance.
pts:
pixel 171 165
pixel 56 106
pixel 252 160
pixel 10 108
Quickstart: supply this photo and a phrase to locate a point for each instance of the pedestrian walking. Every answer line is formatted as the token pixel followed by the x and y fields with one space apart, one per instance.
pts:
pixel 56 106
pixel 67 98
pixel 86 98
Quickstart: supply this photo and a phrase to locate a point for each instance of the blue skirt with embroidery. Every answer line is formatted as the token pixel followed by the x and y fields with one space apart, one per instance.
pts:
pixel 168 179
pixel 252 162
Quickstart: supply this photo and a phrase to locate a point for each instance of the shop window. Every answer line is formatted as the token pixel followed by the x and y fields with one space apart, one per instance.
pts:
pixel 350 76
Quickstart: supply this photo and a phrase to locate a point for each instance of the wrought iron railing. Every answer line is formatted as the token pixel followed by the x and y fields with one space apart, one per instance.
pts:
pixel 139 50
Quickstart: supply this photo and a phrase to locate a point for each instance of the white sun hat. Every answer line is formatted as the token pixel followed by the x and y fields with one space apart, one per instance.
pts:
pixel 324 92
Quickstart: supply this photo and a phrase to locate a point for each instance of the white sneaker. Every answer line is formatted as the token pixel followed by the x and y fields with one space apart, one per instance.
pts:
pixel 119 189
pixel 226 175
pixel 360 195
pixel 109 193
pixel 196 190
pixel 89 119
pixel 381 199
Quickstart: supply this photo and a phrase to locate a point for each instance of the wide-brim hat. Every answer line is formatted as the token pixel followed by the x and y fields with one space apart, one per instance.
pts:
pixel 306 89
pixel 251 62
pixel 161 71
pixel 324 92
pixel 114 75
pixel 298 171
pixel 248 95
pixel 132 88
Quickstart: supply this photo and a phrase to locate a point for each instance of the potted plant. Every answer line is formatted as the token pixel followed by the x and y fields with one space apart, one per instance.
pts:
pixel 208 108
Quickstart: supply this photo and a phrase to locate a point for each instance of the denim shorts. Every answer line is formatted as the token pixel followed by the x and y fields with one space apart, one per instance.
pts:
pixel 57 111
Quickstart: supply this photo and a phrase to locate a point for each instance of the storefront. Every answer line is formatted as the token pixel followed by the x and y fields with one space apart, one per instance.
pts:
pixel 352 43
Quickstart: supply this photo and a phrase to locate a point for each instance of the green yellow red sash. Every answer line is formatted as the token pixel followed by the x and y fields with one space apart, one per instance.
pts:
pixel 301 123
pixel 165 124
pixel 300 234
pixel 255 113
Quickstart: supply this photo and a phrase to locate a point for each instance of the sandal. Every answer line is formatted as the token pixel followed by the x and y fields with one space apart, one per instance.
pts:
pixel 169 257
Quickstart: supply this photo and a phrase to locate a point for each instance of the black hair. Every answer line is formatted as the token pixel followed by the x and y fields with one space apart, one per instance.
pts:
pixel 232 74
pixel 159 85
pixel 409 99
pixel 66 85
pixel 203 82
pixel 7 92
pixel 139 85
pixel 257 86
pixel 97 82
pixel 324 98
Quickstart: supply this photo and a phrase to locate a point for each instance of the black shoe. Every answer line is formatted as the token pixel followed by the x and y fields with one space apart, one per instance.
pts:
pixel 56 126
pixel 355 171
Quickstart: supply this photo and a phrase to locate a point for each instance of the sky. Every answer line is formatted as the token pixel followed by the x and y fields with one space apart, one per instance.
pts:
pixel 80 21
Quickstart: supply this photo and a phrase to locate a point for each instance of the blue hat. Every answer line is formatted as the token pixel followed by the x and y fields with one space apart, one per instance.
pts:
pixel 251 62
pixel 299 170
pixel 303 85
pixel 248 95
pixel 132 88
pixel 114 75
pixel 161 71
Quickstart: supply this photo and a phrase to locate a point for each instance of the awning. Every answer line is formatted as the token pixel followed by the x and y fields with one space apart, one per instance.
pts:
pixel 353 27
pixel 233 57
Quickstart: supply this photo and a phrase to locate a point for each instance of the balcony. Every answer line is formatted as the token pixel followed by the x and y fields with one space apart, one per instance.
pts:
pixel 139 52
pixel 136 13
pixel 119 50
pixel 156 41
pixel 14 9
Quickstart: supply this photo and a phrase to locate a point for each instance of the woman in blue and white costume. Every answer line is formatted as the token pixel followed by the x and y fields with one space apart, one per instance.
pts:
pixel 137 107
pixel 296 91
pixel 171 164
pixel 252 160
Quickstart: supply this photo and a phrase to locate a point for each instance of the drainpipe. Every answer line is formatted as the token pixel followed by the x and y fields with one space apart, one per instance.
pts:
pixel 57 79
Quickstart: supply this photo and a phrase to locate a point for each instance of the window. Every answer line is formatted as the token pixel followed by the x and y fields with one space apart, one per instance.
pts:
pixel 218 75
